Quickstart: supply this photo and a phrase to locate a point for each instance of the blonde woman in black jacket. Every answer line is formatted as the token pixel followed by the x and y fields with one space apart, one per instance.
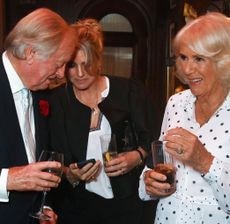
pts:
pixel 88 106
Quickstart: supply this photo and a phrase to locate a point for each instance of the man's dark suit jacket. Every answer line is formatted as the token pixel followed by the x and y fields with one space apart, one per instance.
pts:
pixel 12 150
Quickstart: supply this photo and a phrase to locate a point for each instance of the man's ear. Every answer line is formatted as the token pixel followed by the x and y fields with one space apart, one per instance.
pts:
pixel 29 55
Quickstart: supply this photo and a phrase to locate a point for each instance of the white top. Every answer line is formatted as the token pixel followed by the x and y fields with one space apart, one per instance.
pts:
pixel 198 199
pixel 16 86
pixel 101 185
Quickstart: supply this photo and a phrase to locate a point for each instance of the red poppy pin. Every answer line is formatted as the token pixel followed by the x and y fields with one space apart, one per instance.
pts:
pixel 44 107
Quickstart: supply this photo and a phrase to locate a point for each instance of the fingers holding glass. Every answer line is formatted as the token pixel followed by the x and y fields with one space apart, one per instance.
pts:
pixel 108 147
pixel 163 163
pixel 156 184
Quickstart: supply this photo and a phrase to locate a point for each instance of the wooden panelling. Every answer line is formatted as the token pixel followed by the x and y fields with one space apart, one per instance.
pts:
pixel 2 24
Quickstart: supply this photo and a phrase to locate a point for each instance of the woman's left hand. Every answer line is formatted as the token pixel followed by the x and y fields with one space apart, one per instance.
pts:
pixel 123 163
pixel 187 148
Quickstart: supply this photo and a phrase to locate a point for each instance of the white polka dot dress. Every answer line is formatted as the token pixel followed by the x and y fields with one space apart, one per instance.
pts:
pixel 199 199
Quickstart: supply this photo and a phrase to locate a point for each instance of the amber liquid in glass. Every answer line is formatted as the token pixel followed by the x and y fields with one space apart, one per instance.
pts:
pixel 167 170
pixel 107 156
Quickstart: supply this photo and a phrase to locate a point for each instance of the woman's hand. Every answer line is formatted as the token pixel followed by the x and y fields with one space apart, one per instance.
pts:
pixel 87 173
pixel 123 163
pixel 186 147
pixel 155 185
pixel 51 214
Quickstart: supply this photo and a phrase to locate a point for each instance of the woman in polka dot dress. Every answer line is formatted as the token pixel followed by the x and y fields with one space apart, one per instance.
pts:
pixel 196 128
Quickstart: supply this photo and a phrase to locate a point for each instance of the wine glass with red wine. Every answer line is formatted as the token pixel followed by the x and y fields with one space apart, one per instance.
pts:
pixel 48 156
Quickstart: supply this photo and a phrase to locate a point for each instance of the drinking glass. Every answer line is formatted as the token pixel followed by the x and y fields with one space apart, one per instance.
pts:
pixel 48 156
pixel 108 146
pixel 163 163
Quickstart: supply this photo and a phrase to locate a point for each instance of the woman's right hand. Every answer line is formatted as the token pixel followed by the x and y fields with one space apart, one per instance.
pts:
pixel 154 184
pixel 87 173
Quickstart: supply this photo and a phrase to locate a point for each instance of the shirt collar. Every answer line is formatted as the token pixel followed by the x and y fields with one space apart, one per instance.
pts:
pixel 189 105
pixel 16 83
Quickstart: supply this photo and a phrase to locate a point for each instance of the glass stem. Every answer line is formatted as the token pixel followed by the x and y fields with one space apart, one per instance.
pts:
pixel 43 201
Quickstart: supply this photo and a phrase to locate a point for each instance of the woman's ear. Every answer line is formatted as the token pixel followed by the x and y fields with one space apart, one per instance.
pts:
pixel 29 55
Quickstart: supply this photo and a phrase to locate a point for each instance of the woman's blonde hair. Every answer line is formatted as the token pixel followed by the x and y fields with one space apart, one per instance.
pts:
pixel 43 30
pixel 89 37
pixel 208 36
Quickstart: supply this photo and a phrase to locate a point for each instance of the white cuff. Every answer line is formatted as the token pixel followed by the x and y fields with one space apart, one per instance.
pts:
pixel 215 171
pixel 141 190
pixel 4 195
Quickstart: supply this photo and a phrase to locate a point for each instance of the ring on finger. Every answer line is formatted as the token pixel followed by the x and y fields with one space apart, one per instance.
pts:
pixel 180 151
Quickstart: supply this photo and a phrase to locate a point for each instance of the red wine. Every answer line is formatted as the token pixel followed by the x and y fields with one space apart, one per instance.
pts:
pixel 56 172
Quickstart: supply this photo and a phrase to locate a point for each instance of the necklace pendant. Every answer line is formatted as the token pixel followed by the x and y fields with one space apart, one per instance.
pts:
pixel 94 111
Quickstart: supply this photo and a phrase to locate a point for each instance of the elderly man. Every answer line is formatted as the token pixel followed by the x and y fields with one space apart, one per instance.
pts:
pixel 37 50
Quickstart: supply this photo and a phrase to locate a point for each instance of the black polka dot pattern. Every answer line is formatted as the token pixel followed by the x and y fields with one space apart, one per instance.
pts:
pixel 199 198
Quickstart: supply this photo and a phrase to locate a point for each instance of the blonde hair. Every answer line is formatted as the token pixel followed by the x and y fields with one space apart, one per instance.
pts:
pixel 89 36
pixel 42 29
pixel 208 36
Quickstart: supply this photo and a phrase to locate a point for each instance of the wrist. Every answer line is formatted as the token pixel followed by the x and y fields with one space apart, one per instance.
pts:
pixel 141 156
pixel 73 180
pixel 207 164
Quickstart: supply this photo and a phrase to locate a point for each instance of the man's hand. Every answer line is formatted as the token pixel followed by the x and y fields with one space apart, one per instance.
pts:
pixel 32 177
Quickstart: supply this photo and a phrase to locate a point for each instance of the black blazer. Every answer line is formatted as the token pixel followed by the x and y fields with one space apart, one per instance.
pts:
pixel 70 123
pixel 12 149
